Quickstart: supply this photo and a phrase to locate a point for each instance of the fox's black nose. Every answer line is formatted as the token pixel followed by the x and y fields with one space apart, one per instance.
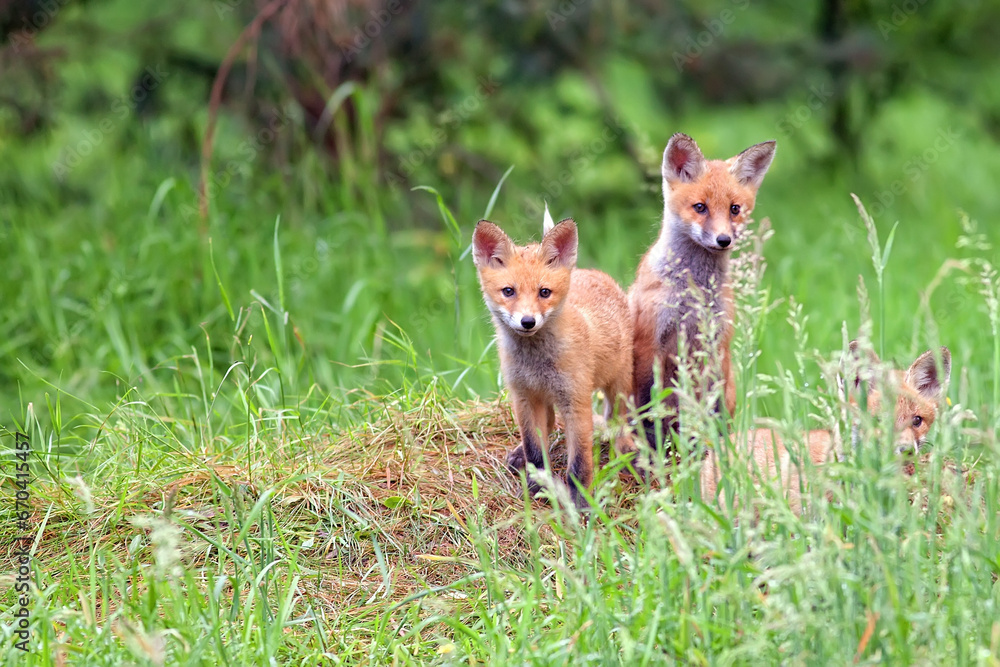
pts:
pixel 527 321
pixel 723 240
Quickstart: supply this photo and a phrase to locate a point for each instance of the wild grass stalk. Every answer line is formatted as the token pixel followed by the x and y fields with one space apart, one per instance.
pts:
pixel 880 259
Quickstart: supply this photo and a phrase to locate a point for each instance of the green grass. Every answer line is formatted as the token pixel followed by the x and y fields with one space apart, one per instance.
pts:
pixel 276 437
pixel 236 512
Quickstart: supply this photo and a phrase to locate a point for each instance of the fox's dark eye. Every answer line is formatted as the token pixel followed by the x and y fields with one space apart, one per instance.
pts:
pixel 917 421
pixel 700 207
pixel 735 209
pixel 508 291
pixel 545 292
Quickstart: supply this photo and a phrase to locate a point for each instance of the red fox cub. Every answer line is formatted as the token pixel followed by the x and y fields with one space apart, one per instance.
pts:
pixel 706 203
pixel 919 391
pixel 562 332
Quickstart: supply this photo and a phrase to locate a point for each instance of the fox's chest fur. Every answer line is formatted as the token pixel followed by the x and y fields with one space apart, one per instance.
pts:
pixel 694 288
pixel 532 364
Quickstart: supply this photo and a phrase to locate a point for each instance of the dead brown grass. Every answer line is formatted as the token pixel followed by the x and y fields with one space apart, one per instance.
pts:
pixel 378 512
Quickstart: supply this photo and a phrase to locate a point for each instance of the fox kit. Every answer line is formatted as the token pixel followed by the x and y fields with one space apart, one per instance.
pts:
pixel 562 332
pixel 918 393
pixel 706 203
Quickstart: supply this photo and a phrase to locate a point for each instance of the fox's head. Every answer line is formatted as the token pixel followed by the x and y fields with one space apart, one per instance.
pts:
pixel 919 390
pixel 524 286
pixel 710 200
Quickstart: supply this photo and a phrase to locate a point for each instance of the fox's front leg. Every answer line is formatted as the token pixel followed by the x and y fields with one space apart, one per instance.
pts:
pixel 580 448
pixel 644 357
pixel 643 378
pixel 655 348
pixel 533 421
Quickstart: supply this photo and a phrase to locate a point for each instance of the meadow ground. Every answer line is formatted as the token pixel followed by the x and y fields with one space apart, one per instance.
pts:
pixel 275 435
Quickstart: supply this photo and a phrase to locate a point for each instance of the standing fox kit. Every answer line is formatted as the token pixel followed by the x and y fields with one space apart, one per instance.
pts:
pixel 561 332
pixel 918 392
pixel 706 203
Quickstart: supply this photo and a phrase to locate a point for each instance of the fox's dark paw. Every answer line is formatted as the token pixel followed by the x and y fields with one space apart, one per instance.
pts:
pixel 519 457
pixel 516 459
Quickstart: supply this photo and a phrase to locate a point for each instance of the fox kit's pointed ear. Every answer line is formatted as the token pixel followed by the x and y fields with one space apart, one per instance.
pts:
pixel 750 166
pixel 855 349
pixel 559 245
pixel 490 246
pixel 864 363
pixel 925 376
pixel 682 159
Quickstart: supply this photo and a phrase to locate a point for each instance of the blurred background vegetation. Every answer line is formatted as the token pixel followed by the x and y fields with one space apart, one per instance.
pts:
pixel 326 114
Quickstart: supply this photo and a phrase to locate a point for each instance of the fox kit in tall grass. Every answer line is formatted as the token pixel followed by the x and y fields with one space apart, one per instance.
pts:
pixel 918 393
pixel 562 332
pixel 706 203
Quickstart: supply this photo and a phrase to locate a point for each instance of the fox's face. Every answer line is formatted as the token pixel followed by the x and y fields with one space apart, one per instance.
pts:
pixel 918 391
pixel 710 200
pixel 524 286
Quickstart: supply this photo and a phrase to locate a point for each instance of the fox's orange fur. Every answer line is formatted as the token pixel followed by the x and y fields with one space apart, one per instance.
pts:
pixel 562 333
pixel 918 392
pixel 706 203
